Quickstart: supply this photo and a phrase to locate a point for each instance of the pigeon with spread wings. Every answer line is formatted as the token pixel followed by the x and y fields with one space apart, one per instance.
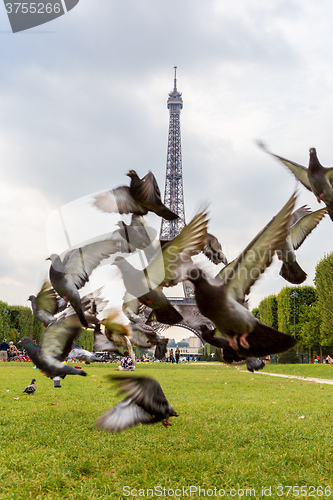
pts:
pixel 142 196
pixel 315 178
pixel 46 304
pixel 71 273
pixel 145 403
pixel 163 270
pixel 56 344
pixel 221 299
pixel 302 222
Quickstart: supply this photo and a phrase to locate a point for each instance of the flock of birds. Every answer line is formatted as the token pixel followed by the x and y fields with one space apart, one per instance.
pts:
pixel 224 320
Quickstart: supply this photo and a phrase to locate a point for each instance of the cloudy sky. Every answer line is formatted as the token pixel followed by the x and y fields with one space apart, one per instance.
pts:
pixel 83 100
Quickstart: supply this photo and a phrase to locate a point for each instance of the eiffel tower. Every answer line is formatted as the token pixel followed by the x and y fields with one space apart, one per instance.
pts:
pixel 174 197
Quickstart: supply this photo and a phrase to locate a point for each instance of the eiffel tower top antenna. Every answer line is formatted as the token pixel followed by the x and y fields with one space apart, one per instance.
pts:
pixel 175 80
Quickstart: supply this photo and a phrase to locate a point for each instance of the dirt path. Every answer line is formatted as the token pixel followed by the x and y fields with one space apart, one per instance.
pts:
pixel 306 379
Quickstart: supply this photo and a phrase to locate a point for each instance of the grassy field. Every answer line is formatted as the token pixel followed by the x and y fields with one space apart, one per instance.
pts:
pixel 302 370
pixel 236 431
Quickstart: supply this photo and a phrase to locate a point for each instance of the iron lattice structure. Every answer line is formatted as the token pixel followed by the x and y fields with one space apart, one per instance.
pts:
pixel 173 194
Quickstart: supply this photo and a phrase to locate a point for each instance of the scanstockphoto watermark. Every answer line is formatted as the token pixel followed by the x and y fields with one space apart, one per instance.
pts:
pixel 187 492
pixel 272 492
pixel 29 14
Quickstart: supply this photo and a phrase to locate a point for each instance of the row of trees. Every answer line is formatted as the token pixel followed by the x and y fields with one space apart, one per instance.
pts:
pixel 304 311
pixel 17 322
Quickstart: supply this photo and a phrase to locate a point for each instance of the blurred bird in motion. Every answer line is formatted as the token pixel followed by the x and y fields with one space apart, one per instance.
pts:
pixel 315 178
pixel 142 196
pixel 221 299
pixel 145 403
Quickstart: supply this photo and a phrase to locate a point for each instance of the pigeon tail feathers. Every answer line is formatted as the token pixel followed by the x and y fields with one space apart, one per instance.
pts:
pixel 292 272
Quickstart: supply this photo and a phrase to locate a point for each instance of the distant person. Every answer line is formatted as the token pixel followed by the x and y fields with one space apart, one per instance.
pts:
pixel 330 360
pixel 12 352
pixel 126 363
pixel 4 347
pixel 177 354
pixel 171 358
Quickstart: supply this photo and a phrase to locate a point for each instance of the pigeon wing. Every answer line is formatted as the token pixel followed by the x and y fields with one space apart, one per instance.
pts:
pixel 124 415
pixel 191 240
pixel 47 299
pixel 118 200
pixel 329 175
pixel 146 392
pixel 57 338
pixel 298 214
pixel 258 255
pixel 300 172
pixel 304 226
pixel 148 191
pixel 80 262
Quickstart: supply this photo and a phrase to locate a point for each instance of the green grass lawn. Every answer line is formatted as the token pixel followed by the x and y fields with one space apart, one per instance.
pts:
pixel 236 431
pixel 302 370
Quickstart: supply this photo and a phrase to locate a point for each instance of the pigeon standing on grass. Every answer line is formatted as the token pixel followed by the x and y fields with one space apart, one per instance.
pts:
pixel 31 388
pixel 145 403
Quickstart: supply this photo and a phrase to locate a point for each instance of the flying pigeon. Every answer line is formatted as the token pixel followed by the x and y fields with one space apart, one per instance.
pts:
pixel 225 353
pixel 315 178
pixel 82 354
pixel 56 343
pixel 72 272
pixel 145 403
pixel 221 299
pixel 163 270
pixel 46 304
pixel 213 250
pixel 31 388
pixel 228 355
pixel 142 196
pixel 302 222
pixel 102 343
pixel 117 331
pixel 138 233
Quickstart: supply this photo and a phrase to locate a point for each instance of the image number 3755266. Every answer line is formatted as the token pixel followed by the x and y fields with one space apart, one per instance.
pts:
pixel 29 14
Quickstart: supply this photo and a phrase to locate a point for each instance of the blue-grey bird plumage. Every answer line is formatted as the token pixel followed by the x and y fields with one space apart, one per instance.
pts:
pixel 145 403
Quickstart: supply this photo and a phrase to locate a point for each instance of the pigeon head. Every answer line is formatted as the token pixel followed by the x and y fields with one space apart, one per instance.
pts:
pixel 28 343
pixel 132 173
pixel 53 257
pixel 32 298
pixel 57 264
